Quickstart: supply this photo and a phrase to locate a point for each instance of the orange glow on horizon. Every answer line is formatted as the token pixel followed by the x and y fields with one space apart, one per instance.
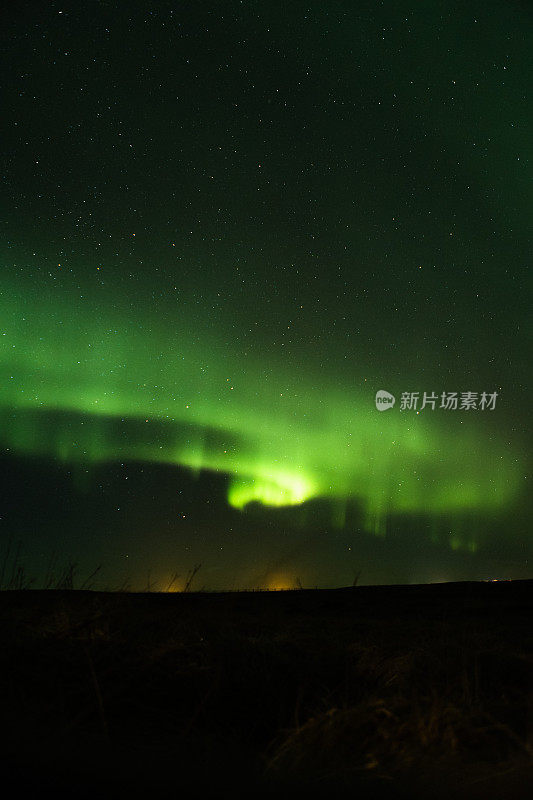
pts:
pixel 281 582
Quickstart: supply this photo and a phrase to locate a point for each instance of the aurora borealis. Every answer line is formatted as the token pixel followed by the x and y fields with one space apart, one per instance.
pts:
pixel 227 228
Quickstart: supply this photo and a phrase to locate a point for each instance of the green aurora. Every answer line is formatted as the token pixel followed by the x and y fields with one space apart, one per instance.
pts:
pixel 79 392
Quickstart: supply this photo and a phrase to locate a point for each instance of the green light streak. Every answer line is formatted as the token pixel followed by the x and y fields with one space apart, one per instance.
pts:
pixel 84 391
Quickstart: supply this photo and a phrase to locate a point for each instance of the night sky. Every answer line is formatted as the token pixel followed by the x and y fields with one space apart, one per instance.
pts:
pixel 226 227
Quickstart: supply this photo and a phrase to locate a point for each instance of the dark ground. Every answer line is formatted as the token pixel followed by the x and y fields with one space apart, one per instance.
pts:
pixel 417 691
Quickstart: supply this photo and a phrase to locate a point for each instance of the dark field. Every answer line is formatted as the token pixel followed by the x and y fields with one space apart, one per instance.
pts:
pixel 421 691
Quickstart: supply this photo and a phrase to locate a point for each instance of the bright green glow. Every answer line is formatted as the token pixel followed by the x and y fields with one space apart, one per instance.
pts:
pixel 278 490
pixel 124 388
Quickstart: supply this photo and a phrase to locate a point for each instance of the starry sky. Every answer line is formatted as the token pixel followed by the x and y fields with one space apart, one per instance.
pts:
pixel 226 227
